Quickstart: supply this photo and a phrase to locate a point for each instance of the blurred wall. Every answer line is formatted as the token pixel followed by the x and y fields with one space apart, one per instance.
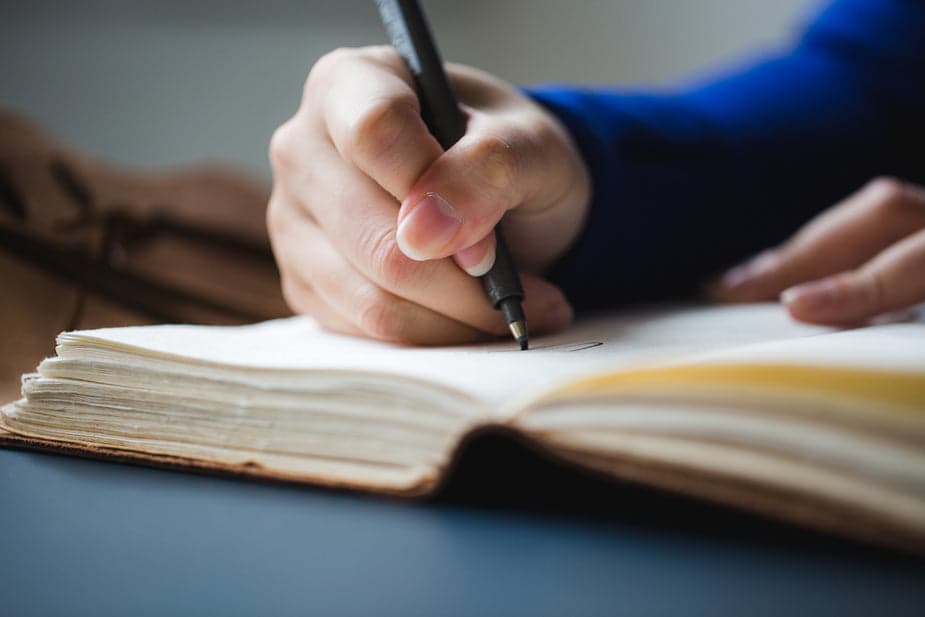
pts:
pixel 156 82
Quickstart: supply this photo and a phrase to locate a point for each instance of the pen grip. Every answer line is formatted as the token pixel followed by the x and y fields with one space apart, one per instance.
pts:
pixel 410 35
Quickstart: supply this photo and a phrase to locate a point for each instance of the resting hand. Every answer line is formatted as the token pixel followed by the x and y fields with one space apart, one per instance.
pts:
pixel 367 209
pixel 860 259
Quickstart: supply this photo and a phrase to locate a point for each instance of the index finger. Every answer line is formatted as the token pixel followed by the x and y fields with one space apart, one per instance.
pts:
pixel 373 117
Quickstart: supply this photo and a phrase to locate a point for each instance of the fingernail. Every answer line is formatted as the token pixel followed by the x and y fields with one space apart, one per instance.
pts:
pixel 742 274
pixel 429 226
pixel 814 295
pixel 475 260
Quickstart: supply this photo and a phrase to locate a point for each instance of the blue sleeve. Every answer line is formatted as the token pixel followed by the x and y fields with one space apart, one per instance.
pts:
pixel 687 183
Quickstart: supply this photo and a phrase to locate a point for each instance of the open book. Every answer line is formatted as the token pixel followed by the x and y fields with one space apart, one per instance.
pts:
pixel 735 404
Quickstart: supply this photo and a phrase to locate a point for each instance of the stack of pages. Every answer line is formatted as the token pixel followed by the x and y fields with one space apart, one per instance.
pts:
pixel 735 404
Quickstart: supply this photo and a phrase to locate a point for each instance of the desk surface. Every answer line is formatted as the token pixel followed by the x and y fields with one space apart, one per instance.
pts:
pixel 86 537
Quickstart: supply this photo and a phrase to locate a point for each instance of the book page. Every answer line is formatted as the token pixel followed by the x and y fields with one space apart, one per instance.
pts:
pixel 495 373
pixel 888 347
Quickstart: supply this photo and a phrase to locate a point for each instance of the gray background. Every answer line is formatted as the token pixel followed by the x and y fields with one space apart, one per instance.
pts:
pixel 157 82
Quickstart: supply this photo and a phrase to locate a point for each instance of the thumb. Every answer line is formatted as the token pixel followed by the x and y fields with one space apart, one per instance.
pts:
pixel 516 159
pixel 461 197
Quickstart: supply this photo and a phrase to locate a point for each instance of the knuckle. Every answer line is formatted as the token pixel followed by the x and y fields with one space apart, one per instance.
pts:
pixel 896 203
pixel 274 215
pixel 886 186
pixel 380 315
pixel 281 152
pixel 496 161
pixel 539 131
pixel 326 68
pixel 388 264
pixel 385 54
pixel 379 126
pixel 548 145
pixel 886 192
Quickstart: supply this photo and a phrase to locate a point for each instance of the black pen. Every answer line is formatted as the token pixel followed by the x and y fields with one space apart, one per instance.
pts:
pixel 407 27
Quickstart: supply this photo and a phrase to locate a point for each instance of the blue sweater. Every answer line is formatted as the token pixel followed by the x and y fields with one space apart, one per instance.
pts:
pixel 686 184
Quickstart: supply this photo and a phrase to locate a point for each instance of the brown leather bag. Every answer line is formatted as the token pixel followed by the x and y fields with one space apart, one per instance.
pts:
pixel 84 244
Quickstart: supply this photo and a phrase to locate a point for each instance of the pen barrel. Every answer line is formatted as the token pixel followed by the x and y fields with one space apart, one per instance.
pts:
pixel 411 37
pixel 502 282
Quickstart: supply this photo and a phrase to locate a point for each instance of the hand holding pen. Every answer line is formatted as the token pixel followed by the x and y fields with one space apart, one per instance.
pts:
pixel 367 205
pixel 413 40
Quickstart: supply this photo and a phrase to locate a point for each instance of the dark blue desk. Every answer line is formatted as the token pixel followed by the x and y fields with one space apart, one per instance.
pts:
pixel 89 538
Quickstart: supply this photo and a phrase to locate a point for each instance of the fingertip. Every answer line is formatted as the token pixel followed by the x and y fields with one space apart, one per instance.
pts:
pixel 833 301
pixel 810 296
pixel 791 300
pixel 745 282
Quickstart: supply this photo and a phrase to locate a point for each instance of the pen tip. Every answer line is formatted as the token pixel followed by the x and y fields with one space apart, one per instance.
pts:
pixel 519 331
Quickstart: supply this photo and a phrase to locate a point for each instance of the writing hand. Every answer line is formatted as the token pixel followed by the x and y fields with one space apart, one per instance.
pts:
pixel 378 232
